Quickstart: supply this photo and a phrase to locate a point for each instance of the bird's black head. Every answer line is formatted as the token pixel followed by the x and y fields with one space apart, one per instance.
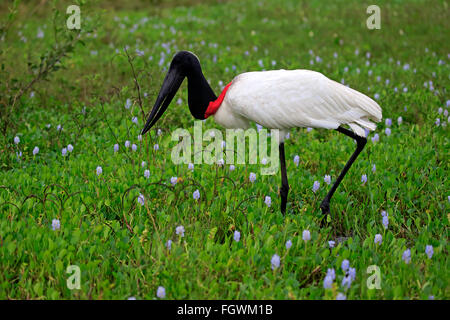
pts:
pixel 184 64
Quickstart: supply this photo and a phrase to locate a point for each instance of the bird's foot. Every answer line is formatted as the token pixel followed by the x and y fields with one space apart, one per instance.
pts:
pixel 325 207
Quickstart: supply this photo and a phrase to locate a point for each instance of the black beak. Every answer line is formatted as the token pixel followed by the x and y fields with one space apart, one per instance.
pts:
pixel 169 88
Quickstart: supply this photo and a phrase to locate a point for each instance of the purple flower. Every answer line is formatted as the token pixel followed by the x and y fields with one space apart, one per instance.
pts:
pixel 99 170
pixel 268 201
pixel 400 120
pixel 275 261
pixel 316 186
pixel 134 120
pixel 345 264
pixel 376 137
pixel 331 273
pixel 385 221
pixel 232 167
pixel 179 231
pixel 388 122
pixel 116 147
pixel 127 144
pixel 64 152
pixel 133 147
pixel 196 195
pixel 156 147
pixel 173 180
pixel 331 243
pixel 429 251
pixel 35 151
pixel 16 140
pixel 296 160
pixel 306 235
pixel 191 166
pixel 56 224
pixel 406 256
pixel 437 122
pixel 378 239
pixel 252 177
pixel 341 296
pixel 346 282
pixel 364 179
pixel 374 168
pixel 141 199
pixel 352 273
pixel 237 236
pixel 128 104
pixel 169 244
pixel 327 282
pixel 288 244
pixel 69 147
pixel 327 179
pixel 161 292
pixel 387 131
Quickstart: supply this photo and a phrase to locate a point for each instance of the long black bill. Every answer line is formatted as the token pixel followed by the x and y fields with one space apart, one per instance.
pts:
pixel 169 88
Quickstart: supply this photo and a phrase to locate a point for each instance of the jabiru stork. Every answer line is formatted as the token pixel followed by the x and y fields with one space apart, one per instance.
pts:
pixel 277 99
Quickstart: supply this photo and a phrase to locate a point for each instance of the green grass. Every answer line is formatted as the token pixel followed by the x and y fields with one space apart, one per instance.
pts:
pixel 119 245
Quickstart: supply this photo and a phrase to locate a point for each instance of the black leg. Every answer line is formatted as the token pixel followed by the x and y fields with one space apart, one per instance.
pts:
pixel 284 181
pixel 360 143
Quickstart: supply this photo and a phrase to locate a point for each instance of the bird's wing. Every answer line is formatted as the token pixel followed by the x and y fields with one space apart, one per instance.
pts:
pixel 285 99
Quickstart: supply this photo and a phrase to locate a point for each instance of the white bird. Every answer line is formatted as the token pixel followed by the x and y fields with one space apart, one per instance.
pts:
pixel 278 99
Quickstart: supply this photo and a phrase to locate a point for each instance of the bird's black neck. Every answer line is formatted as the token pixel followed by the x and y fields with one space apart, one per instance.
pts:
pixel 200 93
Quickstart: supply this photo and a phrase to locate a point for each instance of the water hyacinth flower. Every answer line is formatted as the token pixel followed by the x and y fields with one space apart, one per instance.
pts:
pixel 437 122
pixel 143 164
pixel 316 186
pixel 374 168
pixel 275 261
pixel 406 256
pixel 327 282
pixel 99 170
pixel 345 264
pixel 346 282
pixel 296 160
pixel 306 235
pixel 191 166
pixel 139 137
pixel 132 298
pixel 127 144
pixel 59 127
pixel 161 292
pixel 169 244
pixel 64 152
pixel 147 173
pixel 376 137
pixel 156 147
pixel 35 151
pixel 378 239
pixel 133 147
pixel 400 120
pixel 385 221
pixel 331 243
pixel 341 296
pixel 237 236
pixel 268 201
pixel 364 179
pixel 196 195
pixel 134 120
pixel 128 104
pixel 179 231
pixel 69 147
pixel 116 147
pixel 173 180
pixel 141 199
pixel 331 273
pixel 16 140
pixel 56 224
pixel 288 244
pixel 388 122
pixel 387 131
pixel 429 251
pixel 252 177
pixel 232 167
pixel 327 179
pixel 159 132
pixel 352 273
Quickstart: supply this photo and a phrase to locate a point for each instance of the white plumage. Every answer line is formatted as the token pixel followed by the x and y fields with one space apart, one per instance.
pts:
pixel 284 99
